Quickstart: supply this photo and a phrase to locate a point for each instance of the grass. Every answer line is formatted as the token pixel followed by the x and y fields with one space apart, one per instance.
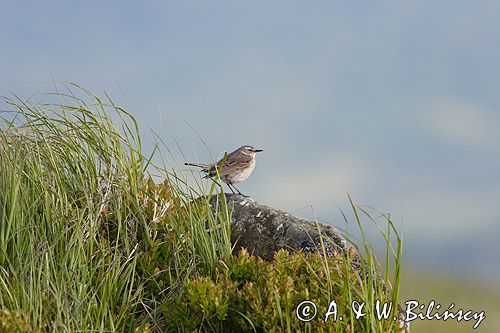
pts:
pixel 89 243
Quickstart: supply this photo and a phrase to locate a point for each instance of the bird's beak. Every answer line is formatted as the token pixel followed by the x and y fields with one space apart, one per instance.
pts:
pixel 257 150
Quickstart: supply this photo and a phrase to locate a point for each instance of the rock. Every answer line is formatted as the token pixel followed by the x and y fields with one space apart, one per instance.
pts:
pixel 263 230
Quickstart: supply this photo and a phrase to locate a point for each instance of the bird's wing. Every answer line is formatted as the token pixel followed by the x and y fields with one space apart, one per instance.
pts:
pixel 232 163
pixel 236 165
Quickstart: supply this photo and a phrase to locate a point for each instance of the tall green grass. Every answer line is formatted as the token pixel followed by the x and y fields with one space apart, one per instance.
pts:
pixel 88 243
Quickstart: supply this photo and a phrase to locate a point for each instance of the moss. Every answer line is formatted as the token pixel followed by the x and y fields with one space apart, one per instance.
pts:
pixel 13 322
pixel 247 294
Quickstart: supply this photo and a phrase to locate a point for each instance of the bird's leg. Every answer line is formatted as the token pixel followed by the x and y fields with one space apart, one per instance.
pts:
pixel 229 185
pixel 246 196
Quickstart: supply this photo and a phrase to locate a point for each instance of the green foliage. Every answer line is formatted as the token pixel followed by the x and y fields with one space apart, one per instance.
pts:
pixel 247 294
pixel 88 242
pixel 13 322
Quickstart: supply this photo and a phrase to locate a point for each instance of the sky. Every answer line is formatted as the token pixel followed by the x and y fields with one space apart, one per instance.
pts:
pixel 394 103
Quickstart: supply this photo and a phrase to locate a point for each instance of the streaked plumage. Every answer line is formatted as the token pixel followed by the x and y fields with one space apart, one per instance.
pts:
pixel 236 167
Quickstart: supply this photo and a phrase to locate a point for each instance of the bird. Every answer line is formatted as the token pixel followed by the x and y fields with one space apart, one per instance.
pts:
pixel 233 168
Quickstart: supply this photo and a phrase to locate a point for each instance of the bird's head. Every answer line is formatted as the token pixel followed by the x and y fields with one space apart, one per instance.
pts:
pixel 249 150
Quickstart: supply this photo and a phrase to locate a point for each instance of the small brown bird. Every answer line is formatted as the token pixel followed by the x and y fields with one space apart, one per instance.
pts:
pixel 235 168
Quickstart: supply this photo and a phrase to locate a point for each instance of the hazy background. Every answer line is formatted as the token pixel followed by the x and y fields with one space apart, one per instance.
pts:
pixel 396 103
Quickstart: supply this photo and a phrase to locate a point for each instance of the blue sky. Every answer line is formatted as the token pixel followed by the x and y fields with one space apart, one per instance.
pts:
pixel 395 103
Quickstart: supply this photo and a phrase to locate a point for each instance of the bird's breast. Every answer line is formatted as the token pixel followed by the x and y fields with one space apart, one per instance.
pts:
pixel 241 175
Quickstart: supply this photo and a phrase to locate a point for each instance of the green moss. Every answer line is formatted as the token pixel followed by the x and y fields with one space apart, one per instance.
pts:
pixel 13 322
pixel 248 294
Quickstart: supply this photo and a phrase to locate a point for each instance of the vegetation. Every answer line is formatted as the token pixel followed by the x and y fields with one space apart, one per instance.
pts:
pixel 89 243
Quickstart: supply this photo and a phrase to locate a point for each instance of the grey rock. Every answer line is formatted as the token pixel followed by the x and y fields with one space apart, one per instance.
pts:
pixel 263 230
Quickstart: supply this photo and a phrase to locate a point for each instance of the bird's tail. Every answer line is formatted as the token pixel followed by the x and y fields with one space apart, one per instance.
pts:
pixel 199 165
